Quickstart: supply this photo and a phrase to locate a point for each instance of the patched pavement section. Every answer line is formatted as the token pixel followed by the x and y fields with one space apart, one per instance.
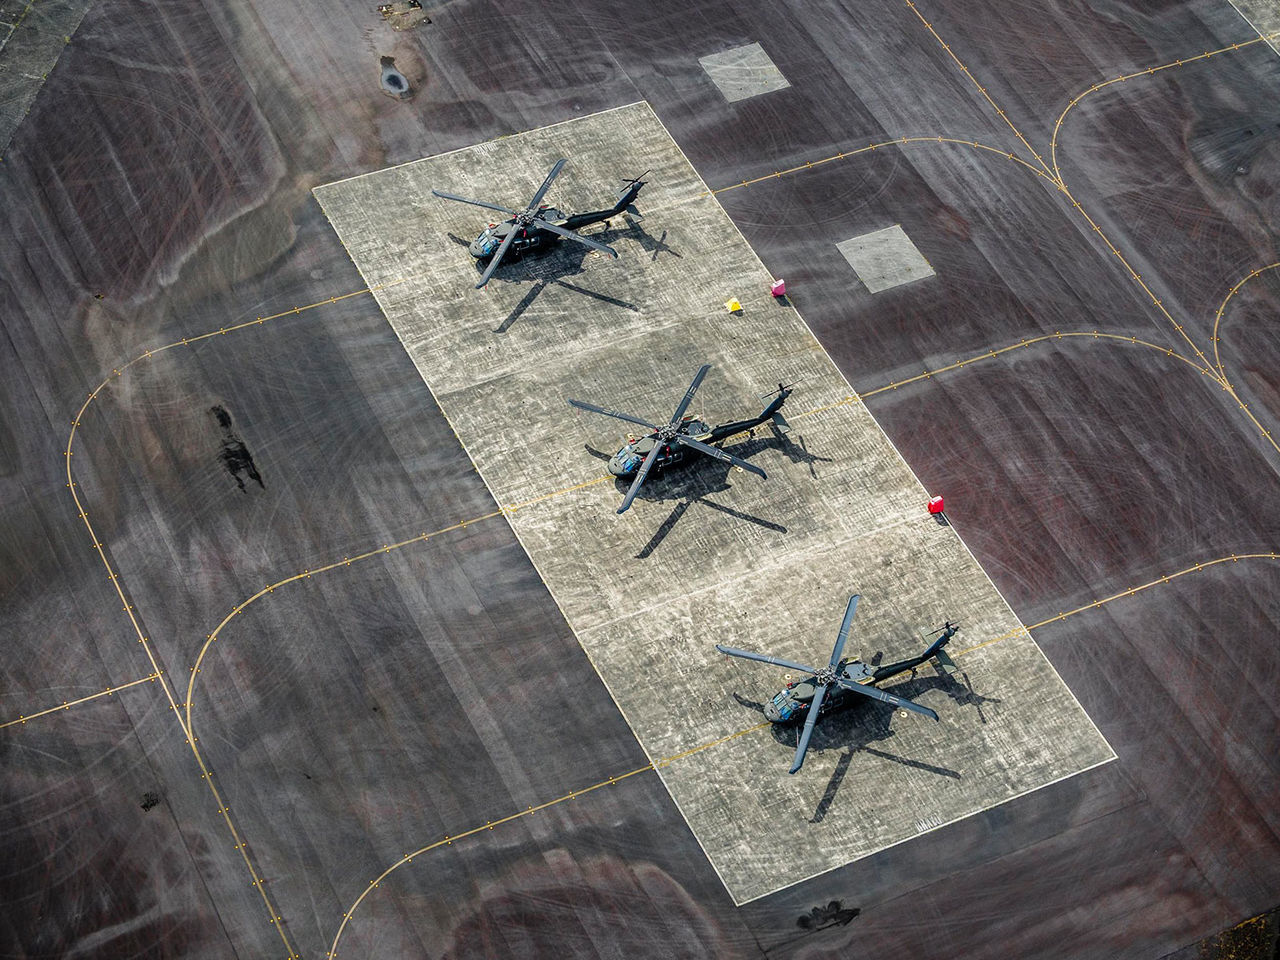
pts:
pixel 884 259
pixel 708 554
pixel 743 72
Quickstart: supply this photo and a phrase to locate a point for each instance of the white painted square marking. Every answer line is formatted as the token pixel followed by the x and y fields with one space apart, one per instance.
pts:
pixel 885 259
pixel 743 72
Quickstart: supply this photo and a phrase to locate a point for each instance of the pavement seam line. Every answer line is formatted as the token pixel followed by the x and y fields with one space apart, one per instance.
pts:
pixel 205 773
pixel 1022 631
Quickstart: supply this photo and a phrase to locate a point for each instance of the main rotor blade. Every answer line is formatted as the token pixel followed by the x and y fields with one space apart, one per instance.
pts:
pixel 803 746
pixel 869 691
pixel 644 472
pixel 611 413
pixel 546 185
pixel 688 394
pixel 719 454
pixel 760 657
pixel 474 203
pixel 569 234
pixel 843 635
pixel 497 257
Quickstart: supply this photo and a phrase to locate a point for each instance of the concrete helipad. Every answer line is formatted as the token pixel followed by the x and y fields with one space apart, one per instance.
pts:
pixel 706 554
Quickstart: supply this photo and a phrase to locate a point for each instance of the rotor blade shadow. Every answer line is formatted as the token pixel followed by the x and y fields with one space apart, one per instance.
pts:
pixel 738 514
pixel 661 533
pixel 625 305
pixel 833 785
pixel 914 764
pixel 796 451
pixel 525 302
pixel 598 454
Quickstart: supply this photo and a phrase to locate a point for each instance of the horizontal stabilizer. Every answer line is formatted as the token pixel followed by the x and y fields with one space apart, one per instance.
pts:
pixel 780 423
pixel 944 661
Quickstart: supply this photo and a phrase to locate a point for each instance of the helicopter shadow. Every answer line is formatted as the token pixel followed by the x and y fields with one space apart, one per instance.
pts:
pixel 647 241
pixel 855 728
pixel 692 483
pixel 557 263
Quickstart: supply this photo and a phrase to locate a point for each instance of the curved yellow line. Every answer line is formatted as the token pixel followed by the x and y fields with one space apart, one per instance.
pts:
pixel 1217 319
pixel 449 840
pixel 306 575
pixel 980 88
pixel 879 145
pixel 529 811
pixel 205 773
pixel 1053 141
pixel 989 354
pixel 1217 373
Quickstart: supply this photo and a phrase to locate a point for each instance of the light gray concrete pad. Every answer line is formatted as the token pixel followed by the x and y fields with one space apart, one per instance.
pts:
pixel 708 554
pixel 743 72
pixel 885 258
pixel 33 34
pixel 1263 16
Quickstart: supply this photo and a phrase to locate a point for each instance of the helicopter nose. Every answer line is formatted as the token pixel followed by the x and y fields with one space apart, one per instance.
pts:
pixel 771 712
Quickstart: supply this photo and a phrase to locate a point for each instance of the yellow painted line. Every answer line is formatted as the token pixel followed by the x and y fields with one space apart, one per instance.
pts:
pixel 880 145
pixel 449 840
pixel 306 575
pixel 989 354
pixel 68 704
pixel 529 811
pixel 1217 318
pixel 980 88
pixel 1149 71
pixel 1233 558
pixel 205 773
pixel 513 507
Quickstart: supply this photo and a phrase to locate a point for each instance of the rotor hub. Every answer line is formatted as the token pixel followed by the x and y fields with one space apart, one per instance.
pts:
pixel 824 676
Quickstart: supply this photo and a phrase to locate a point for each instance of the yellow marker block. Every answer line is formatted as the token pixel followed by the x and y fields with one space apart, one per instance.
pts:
pixel 732 305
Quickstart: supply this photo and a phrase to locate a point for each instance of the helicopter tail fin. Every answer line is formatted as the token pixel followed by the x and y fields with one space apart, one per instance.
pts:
pixel 936 651
pixel 771 412
pixel 627 196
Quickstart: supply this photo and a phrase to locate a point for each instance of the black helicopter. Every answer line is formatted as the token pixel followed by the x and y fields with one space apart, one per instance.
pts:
pixel 799 698
pixel 538 226
pixel 667 444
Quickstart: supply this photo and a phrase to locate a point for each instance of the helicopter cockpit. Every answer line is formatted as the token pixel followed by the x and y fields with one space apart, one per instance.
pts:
pixel 486 243
pixel 781 707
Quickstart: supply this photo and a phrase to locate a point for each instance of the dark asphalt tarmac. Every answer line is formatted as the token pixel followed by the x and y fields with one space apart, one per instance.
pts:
pixel 354 716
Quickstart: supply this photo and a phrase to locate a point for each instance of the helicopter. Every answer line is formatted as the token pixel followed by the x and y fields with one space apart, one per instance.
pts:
pixel 822 691
pixel 539 226
pixel 666 445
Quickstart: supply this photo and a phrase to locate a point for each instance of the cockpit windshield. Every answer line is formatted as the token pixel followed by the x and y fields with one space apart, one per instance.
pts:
pixel 783 703
pixel 486 243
